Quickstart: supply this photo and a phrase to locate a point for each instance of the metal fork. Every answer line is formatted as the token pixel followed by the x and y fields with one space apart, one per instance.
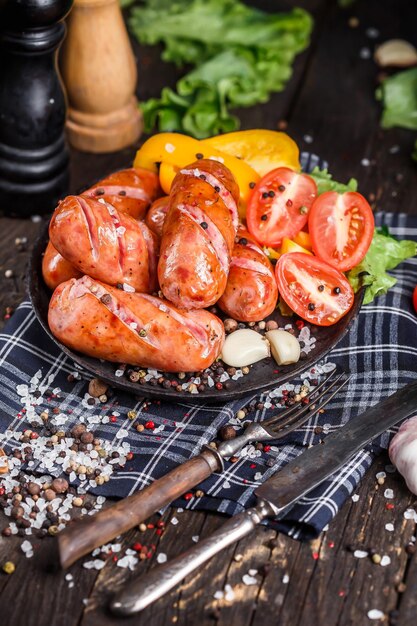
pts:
pixel 87 534
pixel 280 425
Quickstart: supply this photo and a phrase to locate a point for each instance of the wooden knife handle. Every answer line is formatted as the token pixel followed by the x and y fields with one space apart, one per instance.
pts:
pixel 90 532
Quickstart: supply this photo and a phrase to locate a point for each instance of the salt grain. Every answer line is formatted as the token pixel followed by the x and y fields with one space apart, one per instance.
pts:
pixel 389 527
pixel 389 494
pixel 162 558
pixel 355 497
pixel 360 554
pixel 385 561
pixel 247 579
pixel 375 614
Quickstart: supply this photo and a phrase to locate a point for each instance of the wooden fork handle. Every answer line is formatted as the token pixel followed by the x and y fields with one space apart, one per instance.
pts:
pixel 83 536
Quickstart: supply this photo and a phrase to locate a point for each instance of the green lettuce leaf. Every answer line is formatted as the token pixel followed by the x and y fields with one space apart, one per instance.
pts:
pixel 325 182
pixel 241 55
pixel 399 96
pixel 384 254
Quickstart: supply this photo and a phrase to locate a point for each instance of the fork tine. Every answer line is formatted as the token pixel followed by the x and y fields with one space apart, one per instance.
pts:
pixel 294 420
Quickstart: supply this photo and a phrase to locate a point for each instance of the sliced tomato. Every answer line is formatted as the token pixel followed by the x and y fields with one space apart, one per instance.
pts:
pixel 279 205
pixel 415 299
pixel 341 226
pixel 314 290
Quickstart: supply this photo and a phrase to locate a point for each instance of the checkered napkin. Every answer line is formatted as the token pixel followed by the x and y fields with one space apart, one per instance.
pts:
pixel 380 351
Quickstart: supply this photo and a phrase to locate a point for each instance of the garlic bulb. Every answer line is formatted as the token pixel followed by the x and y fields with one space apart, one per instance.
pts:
pixel 403 452
pixel 244 347
pixel 284 346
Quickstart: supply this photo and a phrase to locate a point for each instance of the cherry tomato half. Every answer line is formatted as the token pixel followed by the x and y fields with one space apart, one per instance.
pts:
pixel 314 290
pixel 341 227
pixel 415 299
pixel 279 204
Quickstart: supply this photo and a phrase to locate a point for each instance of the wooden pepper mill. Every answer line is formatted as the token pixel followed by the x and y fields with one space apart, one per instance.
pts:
pixel 99 73
pixel 33 153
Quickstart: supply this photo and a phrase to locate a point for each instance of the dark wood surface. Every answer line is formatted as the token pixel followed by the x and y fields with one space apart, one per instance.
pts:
pixel 331 99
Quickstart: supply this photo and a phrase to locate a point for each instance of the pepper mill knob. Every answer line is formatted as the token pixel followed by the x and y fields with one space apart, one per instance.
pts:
pixel 33 154
pixel 99 72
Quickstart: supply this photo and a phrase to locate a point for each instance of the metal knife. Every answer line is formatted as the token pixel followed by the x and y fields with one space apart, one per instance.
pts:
pixel 275 497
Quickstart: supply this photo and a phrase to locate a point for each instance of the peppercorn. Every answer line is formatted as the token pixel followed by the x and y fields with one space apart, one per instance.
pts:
pixel 281 187
pixel 60 485
pixel 264 217
pixel 8 567
pixel 311 306
pixel 97 387
pixel 226 432
pixel 230 325
pixel 199 155
pixel 252 185
pixel 87 437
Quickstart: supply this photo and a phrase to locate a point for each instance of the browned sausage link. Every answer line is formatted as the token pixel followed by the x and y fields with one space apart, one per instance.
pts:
pixel 251 292
pixel 105 243
pixel 156 215
pixel 131 190
pixel 135 328
pixel 198 235
pixel 56 269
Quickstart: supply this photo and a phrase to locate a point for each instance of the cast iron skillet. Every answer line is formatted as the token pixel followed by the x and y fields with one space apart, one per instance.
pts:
pixel 261 377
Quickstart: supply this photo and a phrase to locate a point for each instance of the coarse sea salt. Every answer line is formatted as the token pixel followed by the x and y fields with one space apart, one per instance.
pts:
pixel 389 527
pixel 360 554
pixel 375 614
pixel 410 514
pixel 355 497
pixel 247 579
pixel 285 579
pixel 162 557
pixel 386 560
pixel 389 494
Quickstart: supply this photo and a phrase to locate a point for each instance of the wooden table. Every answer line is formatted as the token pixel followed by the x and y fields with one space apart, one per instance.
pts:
pixel 331 100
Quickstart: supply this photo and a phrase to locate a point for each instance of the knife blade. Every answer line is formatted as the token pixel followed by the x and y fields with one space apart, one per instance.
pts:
pixel 275 497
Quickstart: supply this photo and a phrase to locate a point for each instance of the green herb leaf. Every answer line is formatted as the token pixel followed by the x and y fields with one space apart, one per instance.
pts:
pixel 325 182
pixel 241 55
pixel 384 254
pixel 399 96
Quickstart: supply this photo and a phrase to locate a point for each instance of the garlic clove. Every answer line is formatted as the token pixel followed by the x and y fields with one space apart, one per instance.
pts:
pixel 244 347
pixel 396 53
pixel 403 452
pixel 284 346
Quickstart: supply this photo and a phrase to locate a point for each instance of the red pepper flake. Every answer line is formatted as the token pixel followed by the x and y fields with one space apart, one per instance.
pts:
pixel 159 531
pixel 252 465
pixel 113 419
pixel 129 456
pixel 219 386
pixel 342 593
pixel 389 506
pixel 315 556
pixel 150 425
pixel 115 558
pixel 267 448
pixel 299 324
pixel 137 546
pixel 151 526
pixel 34 436
pixel 331 544
pixel 2 491
pixel 188 495
pixel 276 371
pixel 161 524
pixel 149 555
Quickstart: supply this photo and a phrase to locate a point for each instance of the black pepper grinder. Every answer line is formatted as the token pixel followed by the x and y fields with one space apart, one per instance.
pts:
pixel 33 153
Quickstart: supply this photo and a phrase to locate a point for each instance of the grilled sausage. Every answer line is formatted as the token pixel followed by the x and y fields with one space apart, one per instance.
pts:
pixel 251 292
pixel 198 235
pixel 135 328
pixel 105 243
pixel 56 269
pixel 131 190
pixel 156 215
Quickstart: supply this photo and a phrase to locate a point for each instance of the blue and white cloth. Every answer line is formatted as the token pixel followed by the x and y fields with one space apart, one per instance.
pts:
pixel 379 351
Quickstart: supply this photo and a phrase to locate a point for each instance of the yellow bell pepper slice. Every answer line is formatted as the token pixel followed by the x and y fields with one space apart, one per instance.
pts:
pixel 303 239
pixel 272 253
pixel 288 245
pixel 263 150
pixel 174 151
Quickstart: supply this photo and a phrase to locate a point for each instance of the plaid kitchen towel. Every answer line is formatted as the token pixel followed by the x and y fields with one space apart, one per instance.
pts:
pixel 380 351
